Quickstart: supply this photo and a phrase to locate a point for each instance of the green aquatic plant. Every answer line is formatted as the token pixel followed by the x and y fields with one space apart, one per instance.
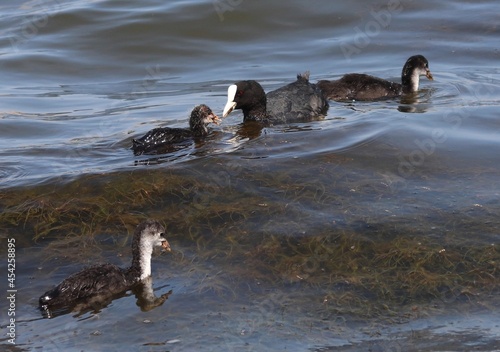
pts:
pixel 246 229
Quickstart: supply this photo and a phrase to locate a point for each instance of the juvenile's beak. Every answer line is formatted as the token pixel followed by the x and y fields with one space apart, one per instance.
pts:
pixel 166 246
pixel 428 74
pixel 215 119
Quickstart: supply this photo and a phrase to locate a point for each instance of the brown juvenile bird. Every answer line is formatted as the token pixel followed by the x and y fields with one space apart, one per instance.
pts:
pixel 357 86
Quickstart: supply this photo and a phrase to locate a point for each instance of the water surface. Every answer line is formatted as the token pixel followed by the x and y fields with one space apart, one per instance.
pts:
pixel 375 228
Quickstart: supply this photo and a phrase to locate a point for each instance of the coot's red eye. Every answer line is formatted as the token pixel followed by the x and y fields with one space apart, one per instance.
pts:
pixel 239 93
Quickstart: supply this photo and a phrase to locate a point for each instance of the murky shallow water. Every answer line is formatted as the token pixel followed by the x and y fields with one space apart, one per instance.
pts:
pixel 376 228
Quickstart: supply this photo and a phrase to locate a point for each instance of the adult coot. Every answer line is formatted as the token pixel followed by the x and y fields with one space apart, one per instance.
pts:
pixel 297 101
pixel 107 280
pixel 159 138
pixel 356 86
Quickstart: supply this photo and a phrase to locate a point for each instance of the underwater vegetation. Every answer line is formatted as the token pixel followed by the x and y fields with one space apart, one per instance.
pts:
pixel 275 238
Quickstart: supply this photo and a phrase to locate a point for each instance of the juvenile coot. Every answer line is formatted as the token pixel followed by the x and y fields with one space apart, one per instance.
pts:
pixel 107 280
pixel 356 86
pixel 158 138
pixel 297 101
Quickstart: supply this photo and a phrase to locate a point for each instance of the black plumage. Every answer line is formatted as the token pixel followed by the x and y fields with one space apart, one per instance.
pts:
pixel 107 280
pixel 159 138
pixel 297 101
pixel 356 86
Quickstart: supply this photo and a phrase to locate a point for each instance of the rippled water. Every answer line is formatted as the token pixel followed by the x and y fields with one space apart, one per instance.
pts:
pixel 80 79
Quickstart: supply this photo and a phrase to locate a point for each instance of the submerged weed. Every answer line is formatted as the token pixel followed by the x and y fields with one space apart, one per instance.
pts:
pixel 262 232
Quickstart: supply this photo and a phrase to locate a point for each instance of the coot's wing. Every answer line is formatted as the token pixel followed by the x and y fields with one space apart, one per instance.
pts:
pixel 357 86
pixel 159 137
pixel 101 279
pixel 297 101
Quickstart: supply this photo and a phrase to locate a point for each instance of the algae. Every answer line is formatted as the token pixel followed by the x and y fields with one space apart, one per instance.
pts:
pixel 245 228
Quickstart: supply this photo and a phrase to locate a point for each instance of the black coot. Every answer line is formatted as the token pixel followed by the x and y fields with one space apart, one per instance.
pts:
pixel 297 101
pixel 107 280
pixel 159 138
pixel 356 86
